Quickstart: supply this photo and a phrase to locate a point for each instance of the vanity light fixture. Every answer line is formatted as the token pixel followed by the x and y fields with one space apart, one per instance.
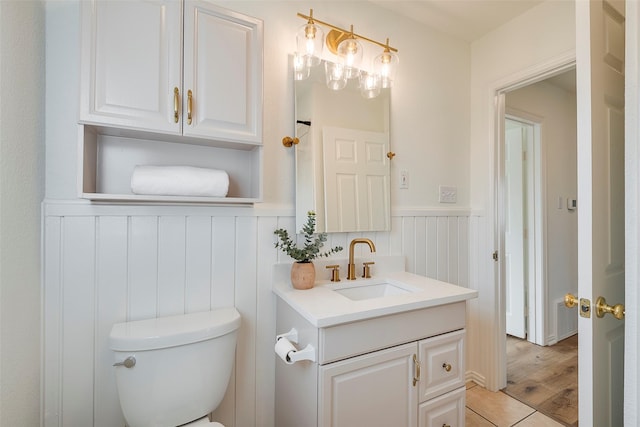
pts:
pixel 347 46
pixel 310 39
pixel 350 53
pixel 386 65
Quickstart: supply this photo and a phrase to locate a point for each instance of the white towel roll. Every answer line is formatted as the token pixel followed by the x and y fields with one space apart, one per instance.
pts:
pixel 179 181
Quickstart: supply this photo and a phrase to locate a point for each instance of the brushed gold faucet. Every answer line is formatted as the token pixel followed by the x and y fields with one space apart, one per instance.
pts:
pixel 351 270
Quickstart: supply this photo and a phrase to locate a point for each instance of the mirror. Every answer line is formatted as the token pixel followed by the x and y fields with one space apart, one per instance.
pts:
pixel 342 168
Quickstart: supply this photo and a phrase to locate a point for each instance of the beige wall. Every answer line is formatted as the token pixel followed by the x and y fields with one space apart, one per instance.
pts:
pixel 21 190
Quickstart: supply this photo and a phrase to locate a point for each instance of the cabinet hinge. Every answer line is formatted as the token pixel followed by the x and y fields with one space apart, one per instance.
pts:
pixel 495 256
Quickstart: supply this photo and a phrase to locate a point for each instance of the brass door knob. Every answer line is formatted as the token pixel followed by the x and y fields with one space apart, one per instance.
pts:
pixel 570 300
pixel 446 367
pixel 287 141
pixel 603 308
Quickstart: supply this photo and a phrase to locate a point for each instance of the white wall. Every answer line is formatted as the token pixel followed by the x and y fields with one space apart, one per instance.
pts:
pixel 85 275
pixel 21 191
pixel 525 45
pixel 556 109
pixel 107 264
pixel 430 98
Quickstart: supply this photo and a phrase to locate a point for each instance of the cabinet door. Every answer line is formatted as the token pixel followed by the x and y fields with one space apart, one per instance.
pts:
pixel 442 363
pixel 445 411
pixel 131 61
pixel 223 73
pixel 375 389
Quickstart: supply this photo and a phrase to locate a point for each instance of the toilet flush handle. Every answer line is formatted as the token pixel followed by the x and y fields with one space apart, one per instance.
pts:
pixel 129 362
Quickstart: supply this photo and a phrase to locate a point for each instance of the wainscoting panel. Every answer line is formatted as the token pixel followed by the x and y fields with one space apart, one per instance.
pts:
pixel 104 265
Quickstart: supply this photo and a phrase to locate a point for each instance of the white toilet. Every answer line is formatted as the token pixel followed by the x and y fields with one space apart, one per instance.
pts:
pixel 174 371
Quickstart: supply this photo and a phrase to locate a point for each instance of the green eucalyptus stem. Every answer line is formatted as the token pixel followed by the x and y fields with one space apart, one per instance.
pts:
pixel 312 242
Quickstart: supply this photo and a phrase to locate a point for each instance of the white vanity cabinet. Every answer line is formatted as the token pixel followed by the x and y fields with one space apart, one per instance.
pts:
pixel 401 369
pixel 160 77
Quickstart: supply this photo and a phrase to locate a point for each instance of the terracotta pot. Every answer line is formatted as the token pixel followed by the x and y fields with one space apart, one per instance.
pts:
pixel 303 275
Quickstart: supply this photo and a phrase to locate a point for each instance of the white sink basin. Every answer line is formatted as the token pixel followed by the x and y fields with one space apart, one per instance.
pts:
pixel 373 290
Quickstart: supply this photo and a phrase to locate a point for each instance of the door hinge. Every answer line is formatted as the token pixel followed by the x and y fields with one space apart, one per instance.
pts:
pixel 495 256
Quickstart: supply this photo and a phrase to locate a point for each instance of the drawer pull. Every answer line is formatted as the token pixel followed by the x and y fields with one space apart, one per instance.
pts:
pixel 189 106
pixel 176 104
pixel 416 365
pixel 446 367
pixel 446 425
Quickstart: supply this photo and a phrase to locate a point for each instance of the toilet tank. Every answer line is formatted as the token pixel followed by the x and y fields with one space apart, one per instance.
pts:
pixel 182 366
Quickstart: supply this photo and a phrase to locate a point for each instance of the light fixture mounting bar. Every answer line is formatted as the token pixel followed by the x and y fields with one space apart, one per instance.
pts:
pixel 314 19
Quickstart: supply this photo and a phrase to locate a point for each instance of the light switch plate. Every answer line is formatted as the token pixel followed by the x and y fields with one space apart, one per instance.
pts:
pixel 404 179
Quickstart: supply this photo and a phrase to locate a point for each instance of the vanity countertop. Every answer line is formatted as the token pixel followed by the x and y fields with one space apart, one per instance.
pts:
pixel 322 306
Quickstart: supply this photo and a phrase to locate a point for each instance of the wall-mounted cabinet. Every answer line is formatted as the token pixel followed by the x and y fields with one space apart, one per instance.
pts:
pixel 169 83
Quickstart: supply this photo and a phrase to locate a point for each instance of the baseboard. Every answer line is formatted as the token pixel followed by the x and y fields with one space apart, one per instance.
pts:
pixel 476 378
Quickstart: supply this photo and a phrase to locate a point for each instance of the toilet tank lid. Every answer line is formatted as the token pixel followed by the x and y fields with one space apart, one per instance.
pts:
pixel 172 331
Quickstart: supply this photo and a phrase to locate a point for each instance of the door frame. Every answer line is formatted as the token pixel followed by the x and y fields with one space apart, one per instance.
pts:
pixel 512 82
pixel 536 226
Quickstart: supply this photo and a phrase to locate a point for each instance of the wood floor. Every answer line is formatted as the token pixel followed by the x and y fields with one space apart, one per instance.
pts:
pixel 545 378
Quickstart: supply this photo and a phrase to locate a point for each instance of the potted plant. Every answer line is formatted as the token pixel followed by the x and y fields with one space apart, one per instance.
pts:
pixel 303 273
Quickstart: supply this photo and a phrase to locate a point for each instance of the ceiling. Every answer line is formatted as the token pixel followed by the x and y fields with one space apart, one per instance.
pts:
pixel 464 19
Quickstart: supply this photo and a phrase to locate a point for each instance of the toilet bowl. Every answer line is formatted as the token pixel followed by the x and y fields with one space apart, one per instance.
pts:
pixel 172 371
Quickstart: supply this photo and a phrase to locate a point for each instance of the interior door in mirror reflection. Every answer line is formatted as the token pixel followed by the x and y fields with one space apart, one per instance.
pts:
pixel 356 179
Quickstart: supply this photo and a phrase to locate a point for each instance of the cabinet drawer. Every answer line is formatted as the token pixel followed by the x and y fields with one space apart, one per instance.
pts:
pixel 442 363
pixel 351 339
pixel 447 410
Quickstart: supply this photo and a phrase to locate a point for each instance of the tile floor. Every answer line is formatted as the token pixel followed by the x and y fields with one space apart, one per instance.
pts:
pixel 489 409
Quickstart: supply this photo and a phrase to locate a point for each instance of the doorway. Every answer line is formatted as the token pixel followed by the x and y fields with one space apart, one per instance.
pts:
pixel 538 232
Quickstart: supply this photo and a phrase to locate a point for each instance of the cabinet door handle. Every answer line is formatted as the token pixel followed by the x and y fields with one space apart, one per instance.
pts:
pixel 176 104
pixel 416 365
pixel 189 106
pixel 446 367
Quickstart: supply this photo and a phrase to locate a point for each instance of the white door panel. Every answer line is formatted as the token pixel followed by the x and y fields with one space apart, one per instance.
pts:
pixel 600 98
pixel 514 233
pixel 356 179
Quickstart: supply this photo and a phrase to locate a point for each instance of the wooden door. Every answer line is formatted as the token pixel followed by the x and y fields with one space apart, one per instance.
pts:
pixel 600 35
pixel 131 62
pixel 373 390
pixel 222 93
pixel 356 179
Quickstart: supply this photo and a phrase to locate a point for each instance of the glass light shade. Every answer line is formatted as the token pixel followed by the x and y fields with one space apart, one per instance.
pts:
pixel 310 40
pixel 386 65
pixel 301 70
pixel 369 85
pixel 350 52
pixel 334 75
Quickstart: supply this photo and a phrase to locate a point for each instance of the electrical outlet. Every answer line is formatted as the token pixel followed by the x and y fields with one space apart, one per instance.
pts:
pixel 404 179
pixel 448 194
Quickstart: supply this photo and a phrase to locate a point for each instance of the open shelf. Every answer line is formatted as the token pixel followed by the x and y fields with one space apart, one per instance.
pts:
pixel 108 156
